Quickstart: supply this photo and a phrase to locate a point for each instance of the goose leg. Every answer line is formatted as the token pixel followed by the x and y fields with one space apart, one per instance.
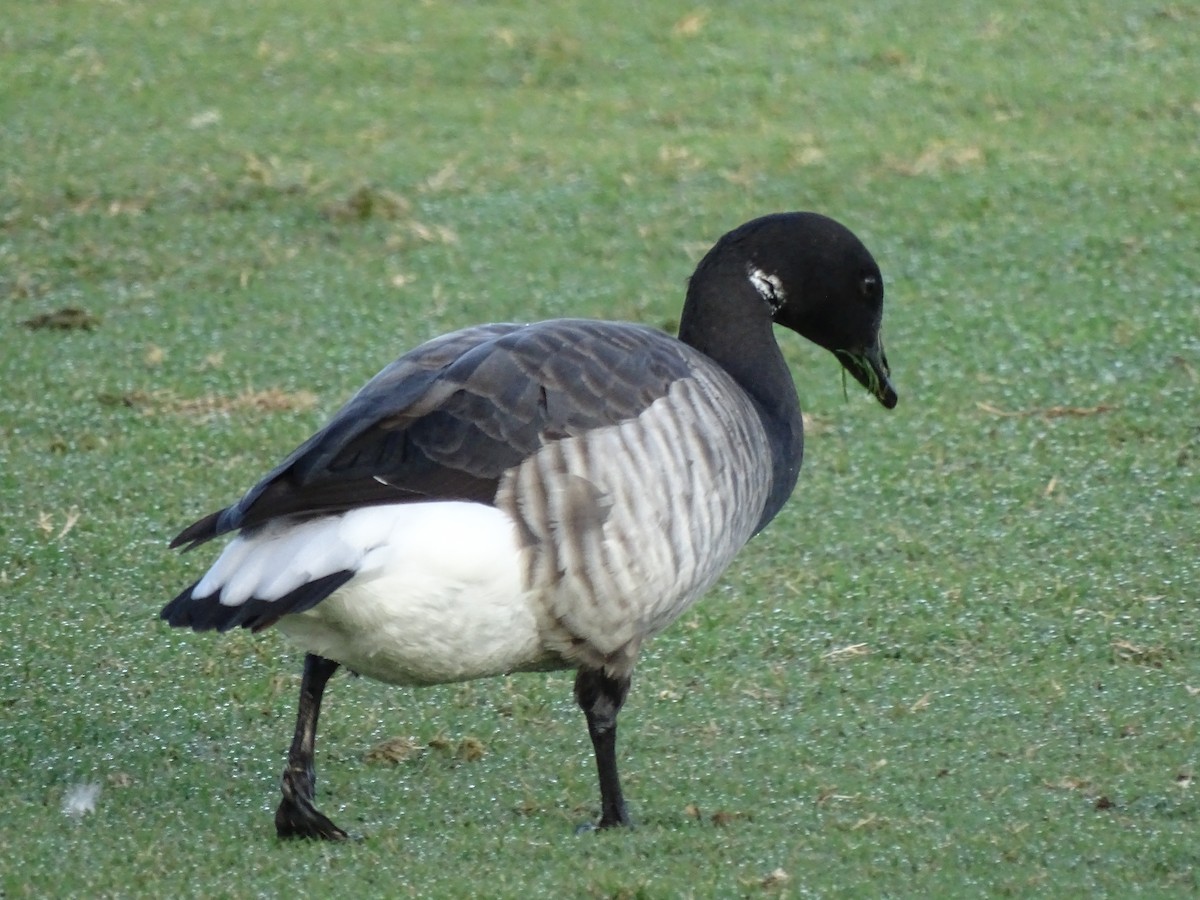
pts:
pixel 601 698
pixel 297 816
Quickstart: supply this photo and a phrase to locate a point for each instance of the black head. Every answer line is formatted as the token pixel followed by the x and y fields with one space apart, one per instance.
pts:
pixel 818 279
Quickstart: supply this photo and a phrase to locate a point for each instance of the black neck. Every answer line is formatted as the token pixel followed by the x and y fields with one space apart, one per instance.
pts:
pixel 736 332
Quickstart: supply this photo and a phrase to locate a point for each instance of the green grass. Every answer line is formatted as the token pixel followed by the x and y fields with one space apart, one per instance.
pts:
pixel 962 662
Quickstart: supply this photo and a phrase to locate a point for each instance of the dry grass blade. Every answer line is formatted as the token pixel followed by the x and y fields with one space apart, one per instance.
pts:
pixel 1046 412
pixel 1127 651
pixel 69 318
pixel 394 751
pixel 841 654
pixel 264 401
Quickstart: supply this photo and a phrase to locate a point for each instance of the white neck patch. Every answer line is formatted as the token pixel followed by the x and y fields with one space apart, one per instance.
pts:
pixel 769 287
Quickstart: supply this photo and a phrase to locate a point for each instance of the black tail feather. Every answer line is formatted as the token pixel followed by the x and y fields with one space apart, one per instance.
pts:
pixel 209 613
pixel 198 532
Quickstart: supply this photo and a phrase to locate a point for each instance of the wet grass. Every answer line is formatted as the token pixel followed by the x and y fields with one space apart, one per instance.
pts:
pixel 964 659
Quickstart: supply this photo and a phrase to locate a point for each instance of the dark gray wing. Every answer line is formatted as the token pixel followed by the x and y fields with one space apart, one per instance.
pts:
pixel 447 420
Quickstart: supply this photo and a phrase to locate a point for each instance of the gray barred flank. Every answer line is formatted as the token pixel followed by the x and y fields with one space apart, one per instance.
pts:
pixel 579 509
pixel 653 500
pixel 528 505
pixel 682 529
pixel 623 544
pixel 630 523
pixel 592 570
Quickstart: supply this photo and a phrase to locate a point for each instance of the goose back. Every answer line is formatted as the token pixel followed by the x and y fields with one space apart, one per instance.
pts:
pixel 449 418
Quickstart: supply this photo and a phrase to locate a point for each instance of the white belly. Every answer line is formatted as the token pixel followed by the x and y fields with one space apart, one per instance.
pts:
pixel 438 597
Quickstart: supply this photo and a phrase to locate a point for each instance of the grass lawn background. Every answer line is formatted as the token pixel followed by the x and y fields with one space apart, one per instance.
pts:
pixel 962 661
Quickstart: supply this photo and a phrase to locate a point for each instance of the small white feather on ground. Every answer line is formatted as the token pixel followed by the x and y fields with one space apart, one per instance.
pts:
pixel 80 799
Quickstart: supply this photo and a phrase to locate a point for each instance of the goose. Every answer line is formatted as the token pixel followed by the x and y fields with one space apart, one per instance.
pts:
pixel 531 497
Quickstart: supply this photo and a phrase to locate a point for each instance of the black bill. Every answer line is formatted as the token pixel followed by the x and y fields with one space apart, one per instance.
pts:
pixel 870 369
